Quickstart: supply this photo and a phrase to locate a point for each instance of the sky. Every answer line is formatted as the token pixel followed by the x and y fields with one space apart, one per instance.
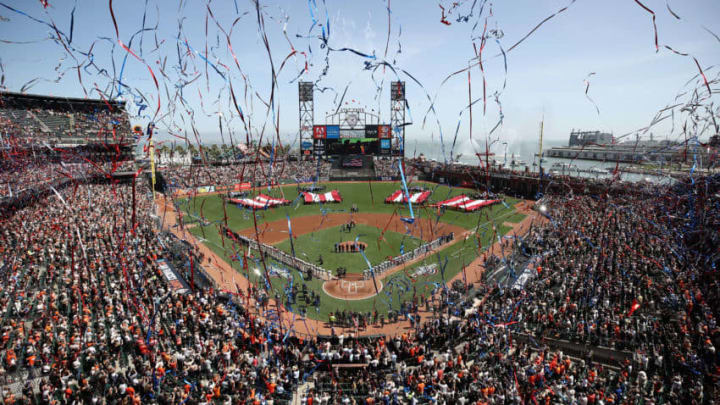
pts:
pixel 608 45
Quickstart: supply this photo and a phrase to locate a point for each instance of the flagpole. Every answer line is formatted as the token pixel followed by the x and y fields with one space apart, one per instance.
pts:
pixel 152 166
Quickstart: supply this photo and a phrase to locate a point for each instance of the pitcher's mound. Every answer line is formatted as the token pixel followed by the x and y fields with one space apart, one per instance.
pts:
pixel 352 289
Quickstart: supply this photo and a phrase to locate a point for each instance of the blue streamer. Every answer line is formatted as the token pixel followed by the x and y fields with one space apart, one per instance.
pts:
pixel 407 193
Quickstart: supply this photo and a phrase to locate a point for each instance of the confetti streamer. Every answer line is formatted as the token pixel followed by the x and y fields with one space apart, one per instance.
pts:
pixel 587 89
pixel 548 18
pixel 672 12
pixel 582 237
pixel 657 48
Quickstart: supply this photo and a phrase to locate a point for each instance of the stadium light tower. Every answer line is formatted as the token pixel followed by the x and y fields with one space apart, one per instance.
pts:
pixel 505 158
pixel 397 117
pixel 306 116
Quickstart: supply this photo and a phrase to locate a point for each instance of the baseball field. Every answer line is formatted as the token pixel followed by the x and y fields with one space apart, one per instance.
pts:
pixel 384 230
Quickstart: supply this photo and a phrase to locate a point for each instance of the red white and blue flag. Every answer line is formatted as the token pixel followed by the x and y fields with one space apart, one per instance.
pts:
pixel 260 201
pixel 465 203
pixel 330 196
pixel 352 162
pixel 399 197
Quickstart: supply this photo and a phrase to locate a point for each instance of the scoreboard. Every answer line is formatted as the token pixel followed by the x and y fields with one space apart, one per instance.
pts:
pixel 335 140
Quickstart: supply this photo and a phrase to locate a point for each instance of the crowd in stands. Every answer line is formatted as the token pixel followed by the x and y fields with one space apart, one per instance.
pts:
pixel 307 171
pixel 86 309
pixel 35 150
pixel 190 176
pixel 620 277
pixel 385 167
pixel 55 125
pixel 87 316
pixel 18 174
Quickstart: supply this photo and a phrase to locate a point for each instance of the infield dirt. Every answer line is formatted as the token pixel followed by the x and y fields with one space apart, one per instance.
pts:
pixel 277 231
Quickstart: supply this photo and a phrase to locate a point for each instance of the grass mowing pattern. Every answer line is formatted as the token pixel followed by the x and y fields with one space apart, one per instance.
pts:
pixel 310 246
pixel 369 197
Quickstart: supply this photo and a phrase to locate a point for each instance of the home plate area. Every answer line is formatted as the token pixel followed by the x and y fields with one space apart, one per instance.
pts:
pixel 352 287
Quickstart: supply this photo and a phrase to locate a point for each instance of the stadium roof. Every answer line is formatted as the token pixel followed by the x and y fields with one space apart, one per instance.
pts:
pixel 34 98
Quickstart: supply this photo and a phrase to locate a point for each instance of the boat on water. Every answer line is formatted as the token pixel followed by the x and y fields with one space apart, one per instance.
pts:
pixel 541 161
pixel 563 166
pixel 517 162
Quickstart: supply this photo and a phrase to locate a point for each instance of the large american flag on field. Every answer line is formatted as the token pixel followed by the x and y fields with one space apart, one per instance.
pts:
pixel 330 196
pixel 415 198
pixel 465 203
pixel 261 201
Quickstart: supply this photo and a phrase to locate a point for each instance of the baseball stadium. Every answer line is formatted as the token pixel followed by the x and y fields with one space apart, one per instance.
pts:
pixel 353 202
pixel 397 262
pixel 357 246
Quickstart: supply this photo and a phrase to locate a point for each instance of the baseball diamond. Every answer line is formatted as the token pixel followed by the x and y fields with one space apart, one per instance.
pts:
pixel 374 279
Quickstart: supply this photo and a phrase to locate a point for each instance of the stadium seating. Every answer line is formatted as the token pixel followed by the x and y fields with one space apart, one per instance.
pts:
pixel 62 120
pixel 606 301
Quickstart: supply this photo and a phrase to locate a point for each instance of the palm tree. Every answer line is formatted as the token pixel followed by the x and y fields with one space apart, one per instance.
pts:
pixel 193 150
pixel 214 152
pixel 158 154
pixel 181 151
pixel 226 151
pixel 166 150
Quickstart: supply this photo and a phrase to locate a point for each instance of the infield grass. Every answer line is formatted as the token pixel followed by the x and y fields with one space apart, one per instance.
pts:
pixel 311 246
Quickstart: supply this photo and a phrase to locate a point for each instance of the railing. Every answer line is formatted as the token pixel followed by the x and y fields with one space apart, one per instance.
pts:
pixel 396 261
pixel 324 274
pixel 284 257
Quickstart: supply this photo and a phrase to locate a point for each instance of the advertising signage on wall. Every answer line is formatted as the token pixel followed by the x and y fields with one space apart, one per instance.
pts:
pixel 319 131
pixel 371 131
pixel 352 133
pixel 306 145
pixel 333 131
pixel 384 132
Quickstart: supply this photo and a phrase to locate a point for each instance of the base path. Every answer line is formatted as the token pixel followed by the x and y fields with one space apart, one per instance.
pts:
pixel 227 279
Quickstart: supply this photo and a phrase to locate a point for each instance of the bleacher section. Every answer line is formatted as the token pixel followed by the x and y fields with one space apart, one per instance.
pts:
pixel 385 169
pixel 56 120
pixel 47 141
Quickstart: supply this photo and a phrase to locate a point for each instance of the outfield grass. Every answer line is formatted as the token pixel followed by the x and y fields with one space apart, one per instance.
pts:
pixel 310 246
pixel 369 197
